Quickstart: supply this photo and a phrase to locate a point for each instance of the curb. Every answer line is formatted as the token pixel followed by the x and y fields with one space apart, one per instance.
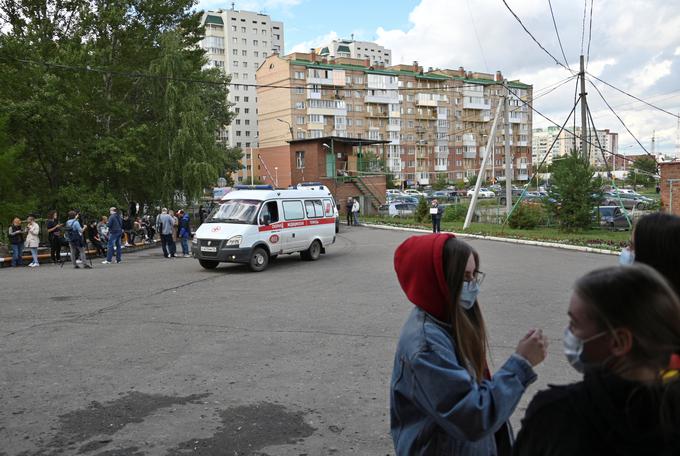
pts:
pixel 554 245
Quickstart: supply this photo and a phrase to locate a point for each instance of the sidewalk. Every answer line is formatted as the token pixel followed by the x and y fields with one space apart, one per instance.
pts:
pixel 6 262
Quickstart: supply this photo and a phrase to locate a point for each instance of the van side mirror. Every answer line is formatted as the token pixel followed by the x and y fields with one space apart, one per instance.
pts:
pixel 266 219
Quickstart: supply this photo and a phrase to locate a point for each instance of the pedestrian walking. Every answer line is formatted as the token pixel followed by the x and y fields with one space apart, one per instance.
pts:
pixel 624 326
pixel 443 399
pixel 115 226
pixel 167 227
pixel 355 212
pixel 33 240
pixel 73 232
pixel 184 232
pixel 348 208
pixel 54 236
pixel 436 211
pixel 16 240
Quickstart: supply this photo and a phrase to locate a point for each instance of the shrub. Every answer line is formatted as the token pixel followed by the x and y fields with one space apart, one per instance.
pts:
pixel 422 211
pixel 527 216
pixel 455 213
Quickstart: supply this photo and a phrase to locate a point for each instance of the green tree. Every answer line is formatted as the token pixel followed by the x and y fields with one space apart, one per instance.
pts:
pixel 472 181
pixel 573 187
pixel 642 172
pixel 422 210
pixel 441 182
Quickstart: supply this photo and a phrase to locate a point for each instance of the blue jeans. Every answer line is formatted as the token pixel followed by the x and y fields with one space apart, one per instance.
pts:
pixel 34 254
pixel 356 217
pixel 185 246
pixel 16 254
pixel 168 245
pixel 114 238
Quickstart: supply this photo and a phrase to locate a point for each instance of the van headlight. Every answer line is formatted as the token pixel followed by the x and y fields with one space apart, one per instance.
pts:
pixel 235 241
pixel 194 240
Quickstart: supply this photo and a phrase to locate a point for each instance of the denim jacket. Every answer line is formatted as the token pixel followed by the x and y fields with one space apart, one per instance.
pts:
pixel 436 405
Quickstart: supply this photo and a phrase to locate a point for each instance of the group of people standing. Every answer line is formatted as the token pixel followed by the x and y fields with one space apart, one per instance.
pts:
pixel 352 209
pixel 622 334
pixel 107 236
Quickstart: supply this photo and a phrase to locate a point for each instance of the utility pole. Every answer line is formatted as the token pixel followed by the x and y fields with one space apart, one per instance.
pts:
pixel 584 112
pixel 489 144
pixel 508 157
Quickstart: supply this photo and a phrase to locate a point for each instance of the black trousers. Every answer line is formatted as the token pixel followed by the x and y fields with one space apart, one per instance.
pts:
pixel 55 249
pixel 436 224
pixel 350 219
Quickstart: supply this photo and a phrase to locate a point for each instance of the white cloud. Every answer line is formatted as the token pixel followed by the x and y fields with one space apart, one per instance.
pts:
pixel 305 46
pixel 677 51
pixel 651 73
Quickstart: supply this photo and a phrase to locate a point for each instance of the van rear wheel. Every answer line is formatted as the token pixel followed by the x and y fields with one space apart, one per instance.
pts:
pixel 208 264
pixel 259 259
pixel 312 253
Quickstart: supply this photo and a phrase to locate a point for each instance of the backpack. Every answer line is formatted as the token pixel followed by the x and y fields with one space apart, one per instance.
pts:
pixel 69 233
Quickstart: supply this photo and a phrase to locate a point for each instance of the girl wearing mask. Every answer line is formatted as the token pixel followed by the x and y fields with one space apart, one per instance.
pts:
pixel 443 399
pixel 32 240
pixel 624 327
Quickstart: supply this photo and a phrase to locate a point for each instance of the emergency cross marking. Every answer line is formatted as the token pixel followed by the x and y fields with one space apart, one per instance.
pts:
pixel 297 224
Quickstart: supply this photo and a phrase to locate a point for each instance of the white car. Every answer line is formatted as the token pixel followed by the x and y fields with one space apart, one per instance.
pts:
pixel 393 192
pixel 483 193
pixel 413 192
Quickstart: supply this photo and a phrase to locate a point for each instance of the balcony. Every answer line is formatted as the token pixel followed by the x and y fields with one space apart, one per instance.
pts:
pixel 313 94
pixel 470 154
pixel 393 127
pixel 376 113
pixel 469 140
pixel 427 99
pixel 476 103
pixel 382 98
pixel 441 168
pixel 327 108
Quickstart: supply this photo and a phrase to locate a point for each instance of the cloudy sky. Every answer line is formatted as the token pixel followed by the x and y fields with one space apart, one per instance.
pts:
pixel 635 46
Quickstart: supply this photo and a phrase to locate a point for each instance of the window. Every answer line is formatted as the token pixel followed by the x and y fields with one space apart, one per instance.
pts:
pixel 300 159
pixel 264 54
pixel 292 210
pixel 256 53
pixel 245 75
pixel 277 36
pixel 234 51
pixel 234 63
pixel 264 44
pixel 234 75
pixel 299 75
pixel 245 99
pixel 246 121
pixel 233 28
pixel 243 29
pixel 264 32
pixel 300 120
pixel 246 110
pixel 328 207
pixel 269 213
pixel 244 53
pixel 237 99
pixel 314 209
pixel 247 132
pixel 255 42
pixel 238 132
pixel 235 40
pixel 244 41
pixel 238 121
pixel 254 31
pixel 245 64
pixel 299 90
pixel 299 105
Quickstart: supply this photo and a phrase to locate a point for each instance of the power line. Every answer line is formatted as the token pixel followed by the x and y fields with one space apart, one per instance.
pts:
pixel 621 120
pixel 479 43
pixel 558 34
pixel 632 96
pixel 534 38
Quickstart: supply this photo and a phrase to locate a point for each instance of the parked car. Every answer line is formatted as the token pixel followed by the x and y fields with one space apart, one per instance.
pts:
pixel 483 193
pixel 628 201
pixel 413 192
pixel 402 199
pixel 397 209
pixel 613 217
pixel 393 191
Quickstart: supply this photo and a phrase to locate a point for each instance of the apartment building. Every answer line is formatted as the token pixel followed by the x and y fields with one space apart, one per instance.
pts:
pixel 543 138
pixel 437 122
pixel 238 42
pixel 376 54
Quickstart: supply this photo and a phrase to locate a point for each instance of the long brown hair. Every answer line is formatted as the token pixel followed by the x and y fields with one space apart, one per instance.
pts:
pixel 640 299
pixel 467 326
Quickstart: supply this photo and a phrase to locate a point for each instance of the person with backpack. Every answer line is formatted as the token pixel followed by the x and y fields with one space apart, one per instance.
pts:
pixel 115 226
pixel 73 232
pixel 624 326
pixel 16 240
pixel 443 398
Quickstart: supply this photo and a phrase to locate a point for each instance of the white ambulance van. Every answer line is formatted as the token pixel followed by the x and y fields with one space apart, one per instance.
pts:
pixel 254 226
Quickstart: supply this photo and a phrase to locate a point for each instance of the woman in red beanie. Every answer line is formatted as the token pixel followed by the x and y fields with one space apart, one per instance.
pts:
pixel 442 398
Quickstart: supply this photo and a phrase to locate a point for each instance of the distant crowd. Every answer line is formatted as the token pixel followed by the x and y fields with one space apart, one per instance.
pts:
pixel 105 236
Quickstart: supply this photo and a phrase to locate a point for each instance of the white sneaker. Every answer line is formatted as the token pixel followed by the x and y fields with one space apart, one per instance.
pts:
pixel 79 262
pixel 33 265
pixel 106 262
pixel 187 256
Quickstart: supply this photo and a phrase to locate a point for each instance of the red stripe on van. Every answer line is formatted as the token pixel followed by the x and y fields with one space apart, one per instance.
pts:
pixel 297 224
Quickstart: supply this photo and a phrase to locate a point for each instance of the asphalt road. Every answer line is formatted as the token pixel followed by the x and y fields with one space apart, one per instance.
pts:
pixel 160 357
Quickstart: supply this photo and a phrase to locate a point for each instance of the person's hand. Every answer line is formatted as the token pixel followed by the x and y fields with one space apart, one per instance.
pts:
pixel 533 347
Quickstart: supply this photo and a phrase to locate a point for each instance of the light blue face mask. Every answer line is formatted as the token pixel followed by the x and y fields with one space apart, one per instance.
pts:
pixel 626 257
pixel 468 295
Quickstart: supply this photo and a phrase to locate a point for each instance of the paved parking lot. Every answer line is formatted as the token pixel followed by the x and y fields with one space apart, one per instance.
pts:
pixel 160 357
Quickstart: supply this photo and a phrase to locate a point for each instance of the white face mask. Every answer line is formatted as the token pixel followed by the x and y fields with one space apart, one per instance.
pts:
pixel 573 349
pixel 468 295
pixel 626 257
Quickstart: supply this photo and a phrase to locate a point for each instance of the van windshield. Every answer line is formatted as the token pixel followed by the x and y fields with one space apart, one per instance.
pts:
pixel 236 211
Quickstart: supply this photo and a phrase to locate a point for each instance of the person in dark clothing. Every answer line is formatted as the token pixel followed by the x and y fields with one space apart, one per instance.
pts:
pixel 128 230
pixel 436 211
pixel 54 236
pixel 16 240
pixel 625 326
pixel 348 208
pixel 95 240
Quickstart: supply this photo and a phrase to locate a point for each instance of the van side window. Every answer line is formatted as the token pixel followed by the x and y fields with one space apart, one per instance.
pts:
pixel 314 209
pixel 328 207
pixel 269 213
pixel 292 210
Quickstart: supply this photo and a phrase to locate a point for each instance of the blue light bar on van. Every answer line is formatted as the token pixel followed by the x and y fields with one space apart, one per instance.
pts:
pixel 310 184
pixel 253 187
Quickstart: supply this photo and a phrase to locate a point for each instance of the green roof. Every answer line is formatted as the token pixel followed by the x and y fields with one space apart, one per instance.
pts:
pixel 214 20
pixel 343 48
pixel 386 72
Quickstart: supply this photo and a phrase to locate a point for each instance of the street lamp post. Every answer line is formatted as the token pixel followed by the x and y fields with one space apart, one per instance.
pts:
pixel 276 176
pixel 290 127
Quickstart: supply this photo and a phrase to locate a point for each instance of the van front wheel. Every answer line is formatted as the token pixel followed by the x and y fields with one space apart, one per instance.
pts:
pixel 313 252
pixel 259 259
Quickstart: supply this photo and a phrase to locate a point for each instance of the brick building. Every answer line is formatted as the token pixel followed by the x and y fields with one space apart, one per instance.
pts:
pixel 437 122
pixel 333 161
pixel 670 187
